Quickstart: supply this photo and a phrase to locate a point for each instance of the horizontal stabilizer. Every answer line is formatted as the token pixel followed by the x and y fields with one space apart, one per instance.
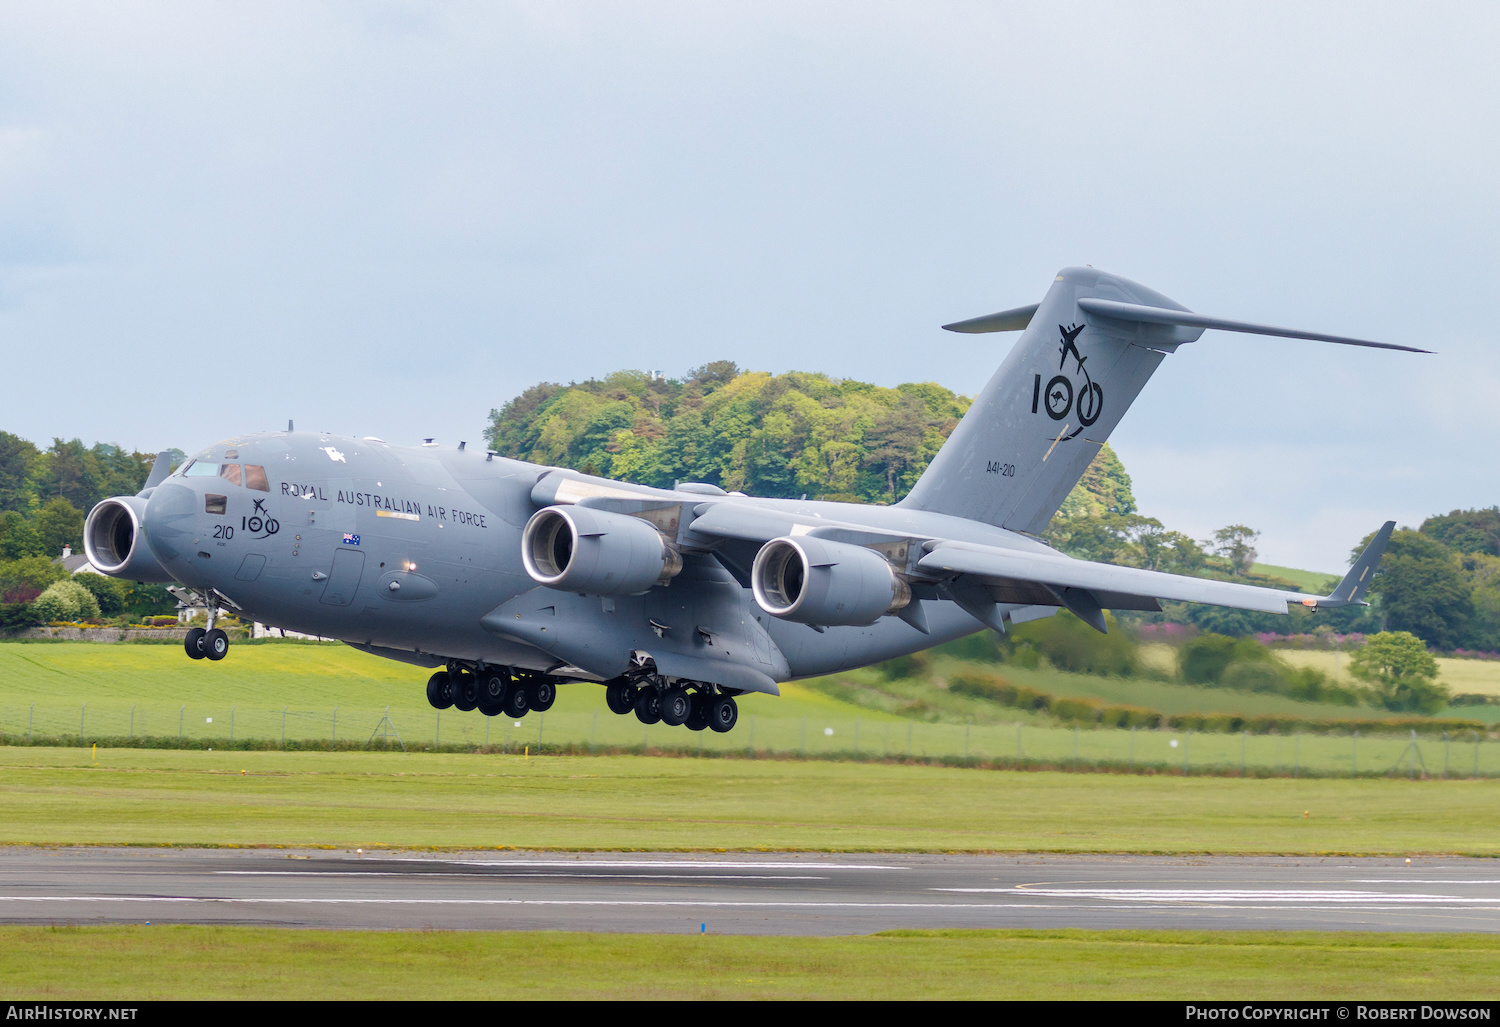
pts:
pixel 1013 320
pixel 1186 319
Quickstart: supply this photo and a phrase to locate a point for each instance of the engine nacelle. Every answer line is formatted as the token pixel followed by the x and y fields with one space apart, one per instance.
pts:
pixel 813 581
pixel 579 549
pixel 114 540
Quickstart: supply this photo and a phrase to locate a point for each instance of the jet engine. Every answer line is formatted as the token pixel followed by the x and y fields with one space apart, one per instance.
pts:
pixel 115 541
pixel 579 549
pixel 813 581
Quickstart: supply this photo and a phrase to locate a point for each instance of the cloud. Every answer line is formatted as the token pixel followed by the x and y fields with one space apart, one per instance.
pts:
pixel 389 218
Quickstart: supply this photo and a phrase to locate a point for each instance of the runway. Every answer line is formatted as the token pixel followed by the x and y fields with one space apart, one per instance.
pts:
pixel 802 894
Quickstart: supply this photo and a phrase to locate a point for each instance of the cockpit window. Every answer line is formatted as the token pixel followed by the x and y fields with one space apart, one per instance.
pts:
pixel 230 473
pixel 199 469
pixel 255 478
pixel 215 504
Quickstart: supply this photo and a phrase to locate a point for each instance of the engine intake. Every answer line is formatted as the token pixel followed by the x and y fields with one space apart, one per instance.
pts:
pixel 579 549
pixel 114 539
pixel 813 581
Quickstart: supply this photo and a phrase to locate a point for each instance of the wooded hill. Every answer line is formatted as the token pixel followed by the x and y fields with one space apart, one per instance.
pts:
pixel 799 433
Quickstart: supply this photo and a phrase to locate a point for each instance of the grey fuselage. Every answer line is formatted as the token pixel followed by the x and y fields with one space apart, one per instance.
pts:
pixel 412 552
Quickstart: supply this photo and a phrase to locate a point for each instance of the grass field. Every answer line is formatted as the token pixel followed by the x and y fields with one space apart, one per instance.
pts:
pixel 1310 581
pixel 333 695
pixel 172 962
pixel 457 801
pixel 1477 676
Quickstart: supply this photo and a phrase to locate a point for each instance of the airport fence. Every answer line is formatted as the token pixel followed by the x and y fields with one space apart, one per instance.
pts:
pixel 198 726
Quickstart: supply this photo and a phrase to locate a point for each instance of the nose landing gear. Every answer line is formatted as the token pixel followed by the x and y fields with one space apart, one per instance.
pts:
pixel 210 642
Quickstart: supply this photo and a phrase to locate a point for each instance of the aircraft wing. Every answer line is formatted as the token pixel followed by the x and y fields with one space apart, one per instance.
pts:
pixel 1086 588
pixel 751 523
pixel 1003 566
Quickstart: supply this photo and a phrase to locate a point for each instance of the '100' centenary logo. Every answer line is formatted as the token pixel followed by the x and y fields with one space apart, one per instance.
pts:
pixel 1061 396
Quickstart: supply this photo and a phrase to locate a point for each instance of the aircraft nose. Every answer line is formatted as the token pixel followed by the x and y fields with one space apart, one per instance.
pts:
pixel 172 516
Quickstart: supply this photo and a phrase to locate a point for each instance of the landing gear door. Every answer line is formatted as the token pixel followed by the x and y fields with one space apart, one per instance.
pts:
pixel 348 565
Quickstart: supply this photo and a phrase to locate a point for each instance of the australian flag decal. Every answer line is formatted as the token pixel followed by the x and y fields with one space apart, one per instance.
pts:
pixel 351 540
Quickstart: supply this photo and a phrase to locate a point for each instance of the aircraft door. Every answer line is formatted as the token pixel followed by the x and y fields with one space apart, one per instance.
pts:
pixel 348 565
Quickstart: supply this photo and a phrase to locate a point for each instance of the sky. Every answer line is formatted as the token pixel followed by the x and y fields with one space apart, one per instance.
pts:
pixel 383 218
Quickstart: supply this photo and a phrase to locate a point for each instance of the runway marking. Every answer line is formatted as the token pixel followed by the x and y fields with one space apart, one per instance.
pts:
pixel 1419 880
pixel 675 903
pixel 1234 895
pixel 551 874
pixel 645 864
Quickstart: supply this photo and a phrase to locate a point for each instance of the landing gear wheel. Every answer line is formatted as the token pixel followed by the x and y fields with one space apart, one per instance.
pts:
pixel 541 694
pixel 698 719
pixel 619 696
pixel 676 706
pixel 492 691
pixel 215 644
pixel 648 706
pixel 194 643
pixel 516 704
pixel 465 692
pixel 723 714
pixel 439 691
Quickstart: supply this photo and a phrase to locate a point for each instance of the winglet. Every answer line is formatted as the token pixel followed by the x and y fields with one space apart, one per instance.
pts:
pixel 1351 590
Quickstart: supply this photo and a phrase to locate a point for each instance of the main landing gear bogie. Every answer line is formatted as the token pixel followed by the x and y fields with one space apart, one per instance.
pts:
pixel 492 691
pixel 515 692
pixel 653 700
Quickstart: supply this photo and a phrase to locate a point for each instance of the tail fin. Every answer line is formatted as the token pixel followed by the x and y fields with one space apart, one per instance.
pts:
pixel 160 468
pixel 1032 431
pixel 1084 354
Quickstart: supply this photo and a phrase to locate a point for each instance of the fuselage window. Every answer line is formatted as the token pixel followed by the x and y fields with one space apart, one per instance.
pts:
pixel 230 473
pixel 215 504
pixel 199 469
pixel 255 478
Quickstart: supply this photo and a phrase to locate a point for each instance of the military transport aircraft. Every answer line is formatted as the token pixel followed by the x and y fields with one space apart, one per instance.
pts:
pixel 510 578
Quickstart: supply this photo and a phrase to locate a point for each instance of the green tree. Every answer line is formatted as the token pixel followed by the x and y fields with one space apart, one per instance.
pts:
pixel 17 462
pixel 59 523
pixel 1467 531
pixel 23 580
pixel 1236 544
pixel 771 435
pixel 69 471
pixel 1403 672
pixel 1205 659
pixel 1422 589
pixel 108 593
pixel 18 537
pixel 147 600
pixel 1482 572
pixel 65 600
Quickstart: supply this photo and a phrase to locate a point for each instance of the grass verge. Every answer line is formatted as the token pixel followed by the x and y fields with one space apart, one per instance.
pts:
pixel 468 801
pixel 210 962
